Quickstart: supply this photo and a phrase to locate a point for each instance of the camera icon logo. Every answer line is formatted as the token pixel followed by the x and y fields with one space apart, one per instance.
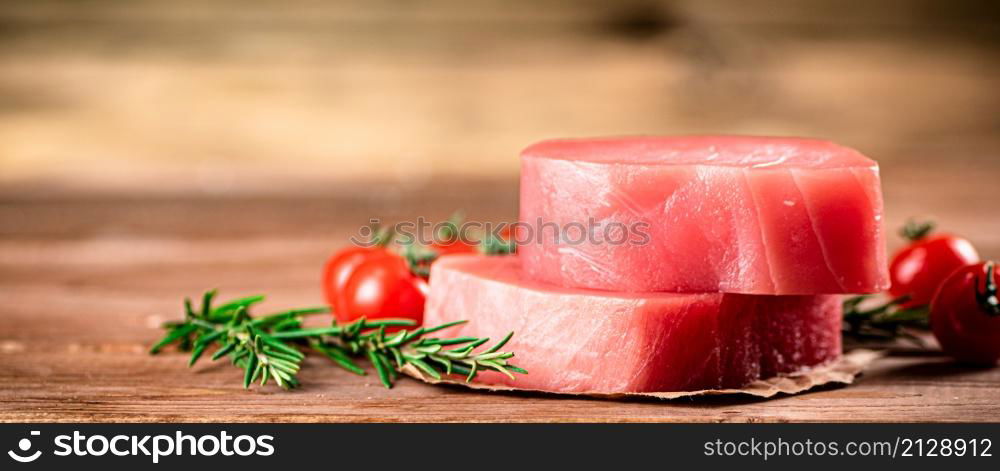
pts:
pixel 25 445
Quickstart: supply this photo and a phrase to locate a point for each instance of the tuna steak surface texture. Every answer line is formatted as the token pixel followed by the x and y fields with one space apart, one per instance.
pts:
pixel 590 341
pixel 753 215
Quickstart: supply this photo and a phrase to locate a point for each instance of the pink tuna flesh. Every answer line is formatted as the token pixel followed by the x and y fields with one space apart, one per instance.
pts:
pixel 750 215
pixel 579 341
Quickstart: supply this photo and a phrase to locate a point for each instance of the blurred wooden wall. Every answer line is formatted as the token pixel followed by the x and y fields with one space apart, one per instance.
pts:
pixel 230 96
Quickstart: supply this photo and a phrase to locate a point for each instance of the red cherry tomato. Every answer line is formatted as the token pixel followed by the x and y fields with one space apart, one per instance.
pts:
pixel 455 247
pixel 382 288
pixel 508 232
pixel 965 314
pixel 341 266
pixel 919 268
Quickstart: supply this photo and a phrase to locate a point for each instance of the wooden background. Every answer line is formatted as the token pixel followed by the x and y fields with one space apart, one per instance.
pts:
pixel 151 149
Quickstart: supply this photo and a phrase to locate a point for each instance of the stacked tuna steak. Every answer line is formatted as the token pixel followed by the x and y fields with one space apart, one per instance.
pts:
pixel 696 262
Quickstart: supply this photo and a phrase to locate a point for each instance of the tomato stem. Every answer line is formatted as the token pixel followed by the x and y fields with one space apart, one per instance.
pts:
pixel 418 259
pixel 383 236
pixel 988 298
pixel 914 231
pixel 450 232
pixel 496 246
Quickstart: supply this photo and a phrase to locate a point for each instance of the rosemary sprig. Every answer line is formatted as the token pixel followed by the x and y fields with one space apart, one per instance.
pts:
pixel 389 353
pixel 270 347
pixel 883 322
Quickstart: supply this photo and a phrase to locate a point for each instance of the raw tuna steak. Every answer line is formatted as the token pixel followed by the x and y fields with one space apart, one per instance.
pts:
pixel 573 340
pixel 753 215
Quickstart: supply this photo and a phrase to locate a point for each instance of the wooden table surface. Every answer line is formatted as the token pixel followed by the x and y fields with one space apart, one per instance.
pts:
pixel 85 281
pixel 151 150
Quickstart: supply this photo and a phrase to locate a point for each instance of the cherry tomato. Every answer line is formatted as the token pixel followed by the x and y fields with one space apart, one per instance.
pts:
pixel 507 233
pixel 451 238
pixel 453 247
pixel 965 314
pixel 379 288
pixel 919 268
pixel 341 266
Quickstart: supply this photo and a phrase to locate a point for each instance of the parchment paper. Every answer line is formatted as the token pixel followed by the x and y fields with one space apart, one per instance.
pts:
pixel 841 371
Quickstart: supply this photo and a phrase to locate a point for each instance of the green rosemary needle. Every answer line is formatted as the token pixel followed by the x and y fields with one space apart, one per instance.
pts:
pixel 269 348
pixel 883 322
